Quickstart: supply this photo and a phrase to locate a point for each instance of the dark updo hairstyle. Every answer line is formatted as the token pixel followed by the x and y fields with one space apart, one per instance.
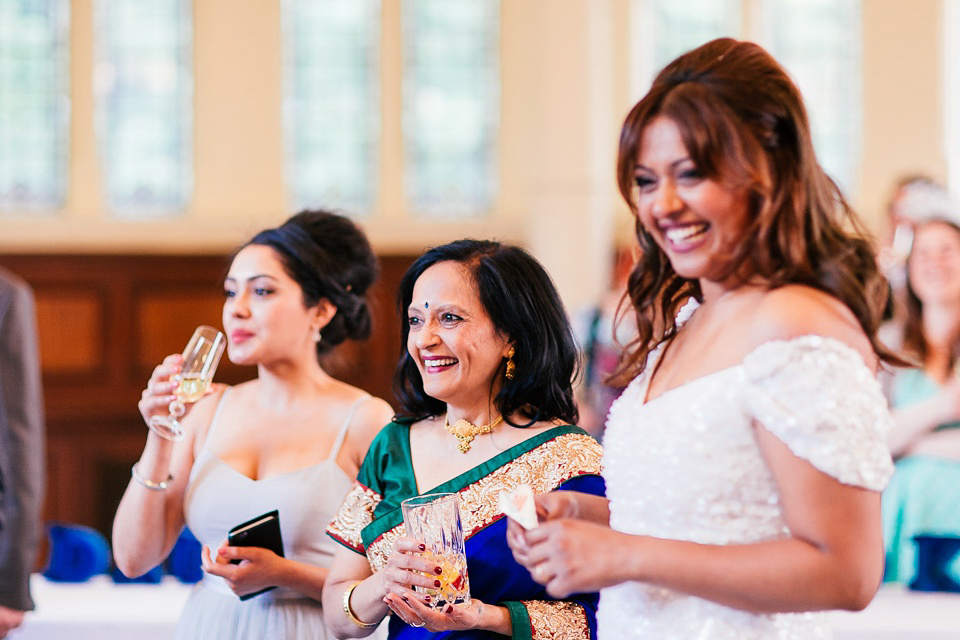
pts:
pixel 744 125
pixel 524 306
pixel 329 257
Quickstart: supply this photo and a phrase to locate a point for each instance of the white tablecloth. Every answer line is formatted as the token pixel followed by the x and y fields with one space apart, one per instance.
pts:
pixel 899 614
pixel 102 610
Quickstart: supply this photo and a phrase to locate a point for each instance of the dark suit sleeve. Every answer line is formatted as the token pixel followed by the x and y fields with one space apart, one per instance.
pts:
pixel 22 437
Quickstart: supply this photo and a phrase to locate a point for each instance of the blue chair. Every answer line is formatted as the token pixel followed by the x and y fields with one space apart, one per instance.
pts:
pixel 77 553
pixel 934 555
pixel 184 560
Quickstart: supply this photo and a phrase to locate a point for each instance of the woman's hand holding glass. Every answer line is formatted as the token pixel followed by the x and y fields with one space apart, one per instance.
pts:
pixel 181 380
pixel 408 568
pixel 161 388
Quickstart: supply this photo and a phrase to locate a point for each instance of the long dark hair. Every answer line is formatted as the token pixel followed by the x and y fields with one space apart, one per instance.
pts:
pixel 524 306
pixel 744 125
pixel 329 257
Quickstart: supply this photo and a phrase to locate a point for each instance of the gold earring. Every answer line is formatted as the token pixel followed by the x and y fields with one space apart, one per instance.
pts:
pixel 511 366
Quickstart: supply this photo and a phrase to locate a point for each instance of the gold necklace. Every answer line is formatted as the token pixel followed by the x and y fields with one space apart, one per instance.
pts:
pixel 465 431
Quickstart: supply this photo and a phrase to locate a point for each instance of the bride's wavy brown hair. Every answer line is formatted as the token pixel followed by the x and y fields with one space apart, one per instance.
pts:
pixel 744 125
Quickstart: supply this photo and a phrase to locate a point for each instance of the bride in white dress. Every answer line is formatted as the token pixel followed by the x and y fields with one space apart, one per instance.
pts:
pixel 745 460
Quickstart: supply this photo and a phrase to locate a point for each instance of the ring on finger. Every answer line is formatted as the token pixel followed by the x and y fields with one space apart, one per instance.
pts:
pixel 417 626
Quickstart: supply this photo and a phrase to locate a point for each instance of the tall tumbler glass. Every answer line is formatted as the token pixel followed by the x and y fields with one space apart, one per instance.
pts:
pixel 434 520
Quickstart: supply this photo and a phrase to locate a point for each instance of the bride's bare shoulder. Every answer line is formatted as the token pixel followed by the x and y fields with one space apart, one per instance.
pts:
pixel 794 310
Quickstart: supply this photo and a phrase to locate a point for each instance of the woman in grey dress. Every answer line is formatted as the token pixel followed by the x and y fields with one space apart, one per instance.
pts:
pixel 291 439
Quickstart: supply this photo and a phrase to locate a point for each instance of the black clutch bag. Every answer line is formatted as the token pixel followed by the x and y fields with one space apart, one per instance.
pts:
pixel 262 531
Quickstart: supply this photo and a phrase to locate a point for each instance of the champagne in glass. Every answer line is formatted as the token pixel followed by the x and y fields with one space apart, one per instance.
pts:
pixel 200 360
pixel 192 387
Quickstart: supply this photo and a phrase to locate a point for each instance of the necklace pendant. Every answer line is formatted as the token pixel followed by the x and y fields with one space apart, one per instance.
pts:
pixel 465 431
pixel 465 440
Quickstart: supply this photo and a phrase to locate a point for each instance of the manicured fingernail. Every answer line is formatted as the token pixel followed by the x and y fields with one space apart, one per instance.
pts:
pixel 449 608
pixel 426 598
pixel 423 547
pixel 438 570
pixel 437 583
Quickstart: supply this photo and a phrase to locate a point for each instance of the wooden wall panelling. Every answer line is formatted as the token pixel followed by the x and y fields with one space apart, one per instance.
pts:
pixel 72 322
pixel 105 321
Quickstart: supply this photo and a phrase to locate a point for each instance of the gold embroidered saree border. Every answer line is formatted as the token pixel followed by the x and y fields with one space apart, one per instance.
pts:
pixel 544 468
pixel 355 513
pixel 556 620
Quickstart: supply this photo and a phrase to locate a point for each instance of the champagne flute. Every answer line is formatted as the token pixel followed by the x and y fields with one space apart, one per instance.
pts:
pixel 200 360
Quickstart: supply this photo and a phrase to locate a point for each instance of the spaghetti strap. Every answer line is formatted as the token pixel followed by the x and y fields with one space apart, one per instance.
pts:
pixel 216 418
pixel 344 427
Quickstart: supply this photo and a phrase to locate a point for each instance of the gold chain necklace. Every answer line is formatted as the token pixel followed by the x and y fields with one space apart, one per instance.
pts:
pixel 465 431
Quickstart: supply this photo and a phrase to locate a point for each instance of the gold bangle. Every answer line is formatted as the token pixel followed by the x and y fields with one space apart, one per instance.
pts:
pixel 349 612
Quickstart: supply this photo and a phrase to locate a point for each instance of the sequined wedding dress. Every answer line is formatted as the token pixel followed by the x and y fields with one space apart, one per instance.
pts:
pixel 686 466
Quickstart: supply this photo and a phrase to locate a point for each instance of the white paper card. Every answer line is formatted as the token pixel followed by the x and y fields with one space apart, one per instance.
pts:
pixel 519 505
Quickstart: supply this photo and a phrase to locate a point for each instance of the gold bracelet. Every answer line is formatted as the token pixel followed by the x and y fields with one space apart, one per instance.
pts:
pixel 349 612
pixel 150 484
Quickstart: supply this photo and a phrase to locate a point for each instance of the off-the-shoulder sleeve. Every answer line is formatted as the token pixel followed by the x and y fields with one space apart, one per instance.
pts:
pixel 818 397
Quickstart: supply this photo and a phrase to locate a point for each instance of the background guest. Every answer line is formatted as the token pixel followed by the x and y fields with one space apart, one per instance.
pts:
pixel 924 493
pixel 915 198
pixel 603 337
pixel 21 449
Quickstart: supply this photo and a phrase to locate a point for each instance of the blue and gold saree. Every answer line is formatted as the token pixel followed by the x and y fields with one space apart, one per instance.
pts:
pixel 370 520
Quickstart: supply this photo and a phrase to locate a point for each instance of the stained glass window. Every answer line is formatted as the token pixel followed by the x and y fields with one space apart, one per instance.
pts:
pixel 451 105
pixel 819 43
pixel 34 103
pixel 663 29
pixel 332 102
pixel 144 92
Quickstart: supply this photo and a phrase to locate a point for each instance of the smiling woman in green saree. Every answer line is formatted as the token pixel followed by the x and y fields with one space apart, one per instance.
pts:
pixel 487 405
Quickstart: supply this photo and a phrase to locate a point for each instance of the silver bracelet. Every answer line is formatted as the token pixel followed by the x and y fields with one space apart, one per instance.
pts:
pixel 149 484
